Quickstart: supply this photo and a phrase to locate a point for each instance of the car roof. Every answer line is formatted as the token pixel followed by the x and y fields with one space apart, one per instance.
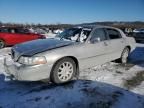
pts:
pixel 94 26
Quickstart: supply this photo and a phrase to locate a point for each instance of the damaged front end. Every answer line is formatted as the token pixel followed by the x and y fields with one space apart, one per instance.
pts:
pixel 10 70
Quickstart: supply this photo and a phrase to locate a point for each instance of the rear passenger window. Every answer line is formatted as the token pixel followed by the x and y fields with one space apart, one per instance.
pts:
pixel 113 34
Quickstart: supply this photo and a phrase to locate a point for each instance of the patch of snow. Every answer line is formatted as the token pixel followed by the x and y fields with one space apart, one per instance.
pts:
pixel 50 35
pixel 139 89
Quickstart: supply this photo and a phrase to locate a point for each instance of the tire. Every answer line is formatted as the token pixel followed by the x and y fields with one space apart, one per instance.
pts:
pixel 2 44
pixel 124 55
pixel 63 71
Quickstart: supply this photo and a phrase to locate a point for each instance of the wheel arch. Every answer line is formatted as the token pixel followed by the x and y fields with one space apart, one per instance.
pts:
pixel 129 47
pixel 74 59
pixel 3 41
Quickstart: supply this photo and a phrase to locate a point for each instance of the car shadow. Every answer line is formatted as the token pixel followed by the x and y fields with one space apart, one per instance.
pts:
pixel 75 94
pixel 137 56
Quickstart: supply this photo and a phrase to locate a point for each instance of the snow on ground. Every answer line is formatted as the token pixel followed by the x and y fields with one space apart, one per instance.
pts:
pixel 110 85
pixel 49 35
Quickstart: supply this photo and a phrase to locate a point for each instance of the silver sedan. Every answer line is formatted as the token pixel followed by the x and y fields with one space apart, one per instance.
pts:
pixel 59 59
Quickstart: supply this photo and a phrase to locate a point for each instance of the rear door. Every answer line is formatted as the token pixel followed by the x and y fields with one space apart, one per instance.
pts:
pixel 116 42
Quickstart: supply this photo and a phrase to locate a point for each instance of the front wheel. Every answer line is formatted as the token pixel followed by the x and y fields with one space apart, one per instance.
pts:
pixel 63 71
pixel 124 55
pixel 2 44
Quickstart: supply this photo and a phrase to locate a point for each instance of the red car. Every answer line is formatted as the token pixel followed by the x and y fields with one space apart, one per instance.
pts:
pixel 11 35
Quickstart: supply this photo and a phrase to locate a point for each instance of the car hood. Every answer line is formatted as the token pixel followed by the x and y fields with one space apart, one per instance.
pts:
pixel 37 46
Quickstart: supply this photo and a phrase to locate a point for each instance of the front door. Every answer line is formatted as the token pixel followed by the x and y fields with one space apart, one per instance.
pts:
pixel 95 51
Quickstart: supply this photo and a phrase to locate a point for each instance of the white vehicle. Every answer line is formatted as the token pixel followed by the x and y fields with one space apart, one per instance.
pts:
pixel 139 30
pixel 59 59
pixel 58 31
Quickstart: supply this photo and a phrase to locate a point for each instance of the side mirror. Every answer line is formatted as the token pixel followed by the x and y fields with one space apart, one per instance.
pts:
pixel 95 40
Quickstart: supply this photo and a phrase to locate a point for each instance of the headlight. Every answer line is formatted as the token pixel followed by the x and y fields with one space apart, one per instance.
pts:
pixel 32 60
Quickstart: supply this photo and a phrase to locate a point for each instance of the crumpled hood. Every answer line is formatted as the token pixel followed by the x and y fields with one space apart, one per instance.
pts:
pixel 38 46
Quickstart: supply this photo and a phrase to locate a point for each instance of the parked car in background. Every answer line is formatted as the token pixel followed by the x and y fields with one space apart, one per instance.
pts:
pixel 58 31
pixel 141 30
pixel 139 36
pixel 59 59
pixel 14 35
pixel 42 31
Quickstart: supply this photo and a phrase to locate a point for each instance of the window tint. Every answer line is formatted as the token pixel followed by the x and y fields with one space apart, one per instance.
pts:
pixel 142 30
pixel 23 31
pixel 99 33
pixel 113 34
pixel 4 30
pixel 12 31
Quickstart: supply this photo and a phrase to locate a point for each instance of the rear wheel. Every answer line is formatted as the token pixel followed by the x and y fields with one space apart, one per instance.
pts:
pixel 124 55
pixel 63 71
pixel 2 44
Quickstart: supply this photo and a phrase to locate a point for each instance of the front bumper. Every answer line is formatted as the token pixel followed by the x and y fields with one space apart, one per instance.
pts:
pixel 21 72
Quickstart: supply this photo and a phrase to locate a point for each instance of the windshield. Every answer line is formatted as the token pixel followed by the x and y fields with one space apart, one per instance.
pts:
pixel 75 34
pixel 68 33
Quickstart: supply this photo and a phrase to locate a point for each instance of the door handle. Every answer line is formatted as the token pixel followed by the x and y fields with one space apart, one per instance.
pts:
pixel 105 43
pixel 122 41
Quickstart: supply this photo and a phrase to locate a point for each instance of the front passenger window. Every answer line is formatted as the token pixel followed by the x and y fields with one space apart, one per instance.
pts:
pixel 98 35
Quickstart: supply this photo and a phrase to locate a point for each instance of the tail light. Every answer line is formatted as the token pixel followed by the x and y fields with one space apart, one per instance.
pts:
pixel 42 37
